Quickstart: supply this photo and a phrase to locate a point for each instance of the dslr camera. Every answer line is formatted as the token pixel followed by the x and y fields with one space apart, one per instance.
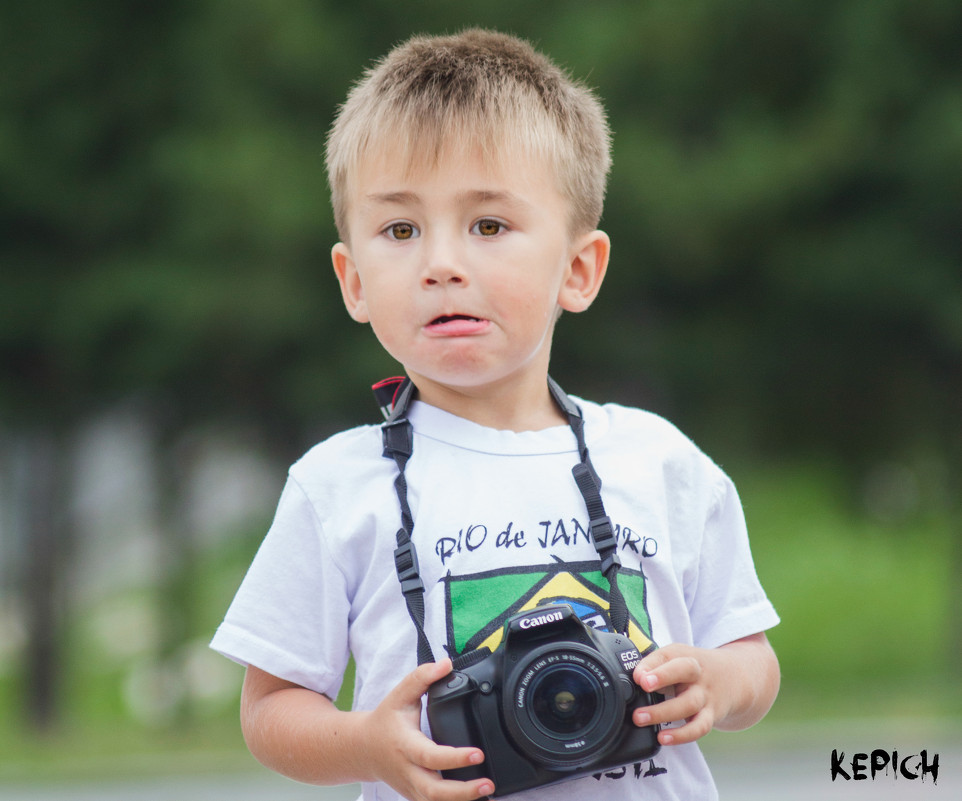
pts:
pixel 552 702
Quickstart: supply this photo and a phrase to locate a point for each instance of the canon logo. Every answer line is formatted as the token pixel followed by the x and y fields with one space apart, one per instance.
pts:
pixel 540 620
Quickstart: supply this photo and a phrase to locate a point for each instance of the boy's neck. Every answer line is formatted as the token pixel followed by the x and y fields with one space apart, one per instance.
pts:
pixel 509 407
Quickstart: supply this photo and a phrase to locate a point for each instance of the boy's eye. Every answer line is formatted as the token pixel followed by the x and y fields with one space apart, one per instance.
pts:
pixel 488 227
pixel 401 231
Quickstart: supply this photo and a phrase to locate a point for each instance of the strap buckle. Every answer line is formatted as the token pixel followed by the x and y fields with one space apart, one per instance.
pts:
pixel 408 569
pixel 398 438
pixel 603 533
pixel 606 543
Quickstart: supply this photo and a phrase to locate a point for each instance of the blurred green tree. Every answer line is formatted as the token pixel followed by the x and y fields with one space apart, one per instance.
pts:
pixel 784 208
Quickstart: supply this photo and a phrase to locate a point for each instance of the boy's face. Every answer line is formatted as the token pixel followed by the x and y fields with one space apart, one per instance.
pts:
pixel 462 269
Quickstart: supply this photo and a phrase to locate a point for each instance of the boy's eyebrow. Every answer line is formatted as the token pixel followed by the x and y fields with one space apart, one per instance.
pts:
pixel 392 198
pixel 405 198
pixel 492 196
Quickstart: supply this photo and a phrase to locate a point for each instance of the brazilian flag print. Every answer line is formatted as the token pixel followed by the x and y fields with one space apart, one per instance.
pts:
pixel 478 604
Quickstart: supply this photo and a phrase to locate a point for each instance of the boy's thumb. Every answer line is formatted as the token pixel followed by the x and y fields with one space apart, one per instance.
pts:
pixel 417 682
pixel 432 671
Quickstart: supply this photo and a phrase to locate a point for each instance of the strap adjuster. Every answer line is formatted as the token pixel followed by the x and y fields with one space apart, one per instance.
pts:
pixel 606 543
pixel 408 569
pixel 609 561
pixel 603 533
pixel 398 438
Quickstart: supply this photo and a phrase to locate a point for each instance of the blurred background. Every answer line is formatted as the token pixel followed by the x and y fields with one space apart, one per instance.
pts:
pixel 785 285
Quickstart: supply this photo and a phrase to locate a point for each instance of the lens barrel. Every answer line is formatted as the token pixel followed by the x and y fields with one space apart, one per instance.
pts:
pixel 562 706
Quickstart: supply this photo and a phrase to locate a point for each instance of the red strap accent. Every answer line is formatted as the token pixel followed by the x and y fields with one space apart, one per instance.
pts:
pixel 386 392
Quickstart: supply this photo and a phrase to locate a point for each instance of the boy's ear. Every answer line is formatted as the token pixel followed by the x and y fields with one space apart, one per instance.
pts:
pixel 350 281
pixel 589 262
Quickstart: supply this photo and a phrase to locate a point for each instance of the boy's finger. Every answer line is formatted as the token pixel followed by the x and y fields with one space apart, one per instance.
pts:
pixel 450 790
pixel 417 682
pixel 430 784
pixel 655 659
pixel 446 757
pixel 678 708
pixel 681 670
pixel 432 671
pixel 480 789
pixel 694 729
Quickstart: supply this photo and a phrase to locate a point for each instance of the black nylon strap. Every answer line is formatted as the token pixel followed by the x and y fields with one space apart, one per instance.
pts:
pixel 600 527
pixel 398 441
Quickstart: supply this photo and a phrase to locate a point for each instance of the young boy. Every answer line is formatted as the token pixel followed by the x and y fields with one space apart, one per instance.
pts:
pixel 467 177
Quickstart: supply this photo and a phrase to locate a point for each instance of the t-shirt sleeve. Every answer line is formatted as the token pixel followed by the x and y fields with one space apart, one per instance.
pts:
pixel 727 601
pixel 290 614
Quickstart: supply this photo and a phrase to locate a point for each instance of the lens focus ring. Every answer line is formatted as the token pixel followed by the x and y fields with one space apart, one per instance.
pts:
pixel 563 706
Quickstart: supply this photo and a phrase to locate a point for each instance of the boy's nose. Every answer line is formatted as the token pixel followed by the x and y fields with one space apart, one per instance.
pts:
pixel 443 276
pixel 443 267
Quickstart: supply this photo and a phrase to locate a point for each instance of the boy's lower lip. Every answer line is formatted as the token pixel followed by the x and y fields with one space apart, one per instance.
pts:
pixel 456 326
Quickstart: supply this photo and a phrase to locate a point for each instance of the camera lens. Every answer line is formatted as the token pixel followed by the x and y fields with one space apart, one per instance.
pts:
pixel 565 700
pixel 562 706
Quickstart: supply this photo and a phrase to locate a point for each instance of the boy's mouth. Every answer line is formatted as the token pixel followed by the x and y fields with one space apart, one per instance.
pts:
pixel 447 318
pixel 456 325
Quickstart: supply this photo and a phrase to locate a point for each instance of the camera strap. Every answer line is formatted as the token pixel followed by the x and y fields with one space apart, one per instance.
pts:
pixel 394 396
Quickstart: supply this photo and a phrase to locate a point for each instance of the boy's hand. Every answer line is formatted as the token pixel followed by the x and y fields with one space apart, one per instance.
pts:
pixel 406 759
pixel 731 687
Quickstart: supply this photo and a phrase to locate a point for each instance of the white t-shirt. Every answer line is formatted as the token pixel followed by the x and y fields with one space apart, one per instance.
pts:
pixel 499 527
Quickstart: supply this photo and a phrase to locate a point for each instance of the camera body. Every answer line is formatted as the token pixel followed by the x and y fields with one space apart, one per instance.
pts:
pixel 553 702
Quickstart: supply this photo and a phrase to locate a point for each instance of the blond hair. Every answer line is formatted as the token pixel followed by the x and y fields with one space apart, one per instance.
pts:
pixel 477 89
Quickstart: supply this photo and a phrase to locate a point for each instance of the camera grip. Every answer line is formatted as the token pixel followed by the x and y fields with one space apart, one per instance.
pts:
pixel 449 716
